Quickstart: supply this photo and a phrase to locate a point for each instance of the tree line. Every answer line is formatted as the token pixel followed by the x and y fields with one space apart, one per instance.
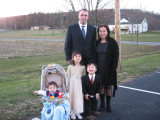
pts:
pixel 62 19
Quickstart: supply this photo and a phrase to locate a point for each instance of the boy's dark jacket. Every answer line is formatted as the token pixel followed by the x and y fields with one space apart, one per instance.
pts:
pixel 88 88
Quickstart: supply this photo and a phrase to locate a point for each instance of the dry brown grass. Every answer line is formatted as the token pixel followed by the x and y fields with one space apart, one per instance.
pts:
pixel 17 48
pixel 130 51
pixel 23 48
pixel 35 34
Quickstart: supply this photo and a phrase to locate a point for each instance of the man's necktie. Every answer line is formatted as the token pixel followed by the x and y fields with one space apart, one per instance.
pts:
pixel 92 80
pixel 83 31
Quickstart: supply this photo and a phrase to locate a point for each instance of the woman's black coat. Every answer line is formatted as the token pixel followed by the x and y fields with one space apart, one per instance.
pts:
pixel 111 63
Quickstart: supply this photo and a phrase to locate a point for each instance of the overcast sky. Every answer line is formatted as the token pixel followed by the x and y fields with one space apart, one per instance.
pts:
pixel 24 7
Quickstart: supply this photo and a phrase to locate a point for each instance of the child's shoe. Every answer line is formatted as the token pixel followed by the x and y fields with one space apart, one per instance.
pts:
pixel 73 117
pixel 96 113
pixel 90 117
pixel 79 116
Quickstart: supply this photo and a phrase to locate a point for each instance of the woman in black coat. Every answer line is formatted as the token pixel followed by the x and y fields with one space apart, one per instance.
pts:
pixel 107 61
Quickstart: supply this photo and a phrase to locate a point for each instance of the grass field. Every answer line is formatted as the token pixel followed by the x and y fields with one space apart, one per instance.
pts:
pixel 20 48
pixel 144 37
pixel 19 77
pixel 37 34
pixel 21 62
pixel 60 34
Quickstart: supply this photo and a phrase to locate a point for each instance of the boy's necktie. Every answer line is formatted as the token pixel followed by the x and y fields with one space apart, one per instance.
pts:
pixel 83 31
pixel 92 80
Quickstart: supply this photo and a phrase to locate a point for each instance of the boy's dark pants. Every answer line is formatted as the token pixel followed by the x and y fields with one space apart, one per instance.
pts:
pixel 90 105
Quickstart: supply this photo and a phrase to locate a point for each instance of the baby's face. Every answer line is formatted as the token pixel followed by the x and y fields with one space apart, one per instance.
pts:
pixel 52 88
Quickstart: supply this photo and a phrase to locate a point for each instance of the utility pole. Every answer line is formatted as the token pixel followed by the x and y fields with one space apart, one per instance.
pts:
pixel 117 31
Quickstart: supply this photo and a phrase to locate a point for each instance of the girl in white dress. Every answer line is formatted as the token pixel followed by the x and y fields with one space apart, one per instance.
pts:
pixel 75 71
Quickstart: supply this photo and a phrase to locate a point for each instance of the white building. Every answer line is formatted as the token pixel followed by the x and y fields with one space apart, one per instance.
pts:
pixel 131 25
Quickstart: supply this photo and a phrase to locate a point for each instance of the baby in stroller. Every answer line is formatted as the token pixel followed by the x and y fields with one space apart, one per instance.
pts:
pixel 53 88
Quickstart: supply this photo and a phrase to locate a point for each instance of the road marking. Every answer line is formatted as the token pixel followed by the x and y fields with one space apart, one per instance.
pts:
pixel 158 72
pixel 36 118
pixel 139 90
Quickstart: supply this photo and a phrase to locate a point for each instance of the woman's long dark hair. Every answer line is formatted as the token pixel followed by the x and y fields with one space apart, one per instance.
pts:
pixel 107 28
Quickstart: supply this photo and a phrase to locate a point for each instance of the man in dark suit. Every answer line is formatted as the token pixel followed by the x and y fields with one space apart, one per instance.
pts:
pixel 91 87
pixel 81 37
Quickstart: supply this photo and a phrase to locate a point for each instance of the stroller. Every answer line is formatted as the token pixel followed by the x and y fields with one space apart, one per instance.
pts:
pixel 55 108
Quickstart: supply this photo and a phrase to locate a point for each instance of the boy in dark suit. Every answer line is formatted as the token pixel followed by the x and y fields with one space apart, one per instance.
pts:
pixel 91 87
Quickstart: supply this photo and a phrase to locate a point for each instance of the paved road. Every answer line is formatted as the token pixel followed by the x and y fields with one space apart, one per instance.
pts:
pixel 141 43
pixel 55 40
pixel 61 40
pixel 136 100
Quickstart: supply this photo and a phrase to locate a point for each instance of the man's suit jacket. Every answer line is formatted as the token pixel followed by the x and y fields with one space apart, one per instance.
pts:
pixel 88 88
pixel 75 41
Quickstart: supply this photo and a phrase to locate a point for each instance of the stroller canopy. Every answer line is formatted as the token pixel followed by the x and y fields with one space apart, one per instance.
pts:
pixel 56 73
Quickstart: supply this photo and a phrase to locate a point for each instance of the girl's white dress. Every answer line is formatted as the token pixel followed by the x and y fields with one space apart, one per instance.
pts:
pixel 75 87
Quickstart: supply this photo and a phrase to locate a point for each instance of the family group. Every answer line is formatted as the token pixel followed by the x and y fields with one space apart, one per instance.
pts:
pixel 91 72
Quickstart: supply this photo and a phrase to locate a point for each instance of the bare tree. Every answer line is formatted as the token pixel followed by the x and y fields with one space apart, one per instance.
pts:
pixel 70 3
pixel 91 5
pixel 63 19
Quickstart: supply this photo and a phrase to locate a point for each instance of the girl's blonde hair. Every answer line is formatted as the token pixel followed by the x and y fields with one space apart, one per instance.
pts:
pixel 74 53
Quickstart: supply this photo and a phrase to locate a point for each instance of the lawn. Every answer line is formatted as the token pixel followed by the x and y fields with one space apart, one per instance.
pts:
pixel 34 34
pixel 143 37
pixel 19 77
pixel 60 34
pixel 21 63
pixel 20 48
